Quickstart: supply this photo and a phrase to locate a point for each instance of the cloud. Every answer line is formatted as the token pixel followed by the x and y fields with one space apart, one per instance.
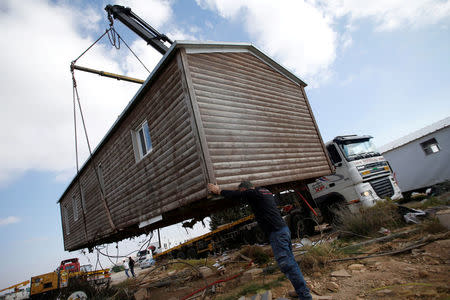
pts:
pixel 303 34
pixel 36 90
pixel 298 34
pixel 390 15
pixel 9 220
pixel 156 12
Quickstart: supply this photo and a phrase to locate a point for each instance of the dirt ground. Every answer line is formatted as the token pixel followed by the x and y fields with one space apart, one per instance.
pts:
pixel 419 272
pixel 422 273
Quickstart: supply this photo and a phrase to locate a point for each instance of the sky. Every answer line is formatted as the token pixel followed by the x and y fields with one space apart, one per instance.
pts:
pixel 372 67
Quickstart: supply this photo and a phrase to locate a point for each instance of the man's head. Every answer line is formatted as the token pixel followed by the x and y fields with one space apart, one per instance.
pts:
pixel 245 185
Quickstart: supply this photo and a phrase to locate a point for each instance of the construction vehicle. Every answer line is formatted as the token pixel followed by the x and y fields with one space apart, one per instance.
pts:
pixel 49 285
pixel 18 291
pixel 362 177
pixel 294 208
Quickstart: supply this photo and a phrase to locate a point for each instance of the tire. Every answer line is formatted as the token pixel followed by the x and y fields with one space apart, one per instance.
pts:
pixel 337 211
pixel 301 226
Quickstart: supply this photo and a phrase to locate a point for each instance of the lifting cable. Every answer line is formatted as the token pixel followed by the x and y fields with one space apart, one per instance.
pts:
pixel 115 40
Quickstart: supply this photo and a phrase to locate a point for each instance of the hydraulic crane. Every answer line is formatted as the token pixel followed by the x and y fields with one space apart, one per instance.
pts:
pixel 139 26
pixel 16 287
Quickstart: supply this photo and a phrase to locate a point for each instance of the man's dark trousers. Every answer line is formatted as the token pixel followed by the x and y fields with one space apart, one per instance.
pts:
pixel 280 241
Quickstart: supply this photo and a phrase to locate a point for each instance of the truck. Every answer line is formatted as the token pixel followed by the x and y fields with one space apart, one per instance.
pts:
pixel 362 177
pixel 48 285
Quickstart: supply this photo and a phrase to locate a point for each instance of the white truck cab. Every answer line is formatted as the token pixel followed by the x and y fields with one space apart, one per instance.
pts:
pixel 362 175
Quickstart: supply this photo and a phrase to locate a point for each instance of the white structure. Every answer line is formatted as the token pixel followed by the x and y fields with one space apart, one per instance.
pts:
pixel 422 158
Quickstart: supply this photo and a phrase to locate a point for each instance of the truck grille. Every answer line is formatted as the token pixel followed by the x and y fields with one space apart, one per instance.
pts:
pixel 382 187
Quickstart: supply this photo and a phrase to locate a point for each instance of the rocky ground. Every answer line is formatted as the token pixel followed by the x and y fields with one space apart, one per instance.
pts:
pixel 419 272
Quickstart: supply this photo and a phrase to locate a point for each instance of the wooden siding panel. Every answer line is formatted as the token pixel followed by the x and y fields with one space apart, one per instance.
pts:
pixel 257 122
pixel 165 178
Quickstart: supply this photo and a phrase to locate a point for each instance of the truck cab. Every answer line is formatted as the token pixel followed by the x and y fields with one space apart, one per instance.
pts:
pixel 362 175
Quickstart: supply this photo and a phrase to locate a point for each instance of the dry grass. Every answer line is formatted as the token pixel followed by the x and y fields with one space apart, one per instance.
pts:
pixel 433 226
pixel 370 220
pixel 317 256
pixel 257 254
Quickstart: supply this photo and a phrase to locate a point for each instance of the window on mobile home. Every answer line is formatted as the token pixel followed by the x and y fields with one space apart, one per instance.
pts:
pixel 431 146
pixel 75 208
pixel 66 219
pixel 142 141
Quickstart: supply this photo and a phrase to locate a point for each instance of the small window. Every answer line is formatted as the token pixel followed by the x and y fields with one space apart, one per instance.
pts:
pixel 75 208
pixel 334 154
pixel 143 140
pixel 431 146
pixel 66 219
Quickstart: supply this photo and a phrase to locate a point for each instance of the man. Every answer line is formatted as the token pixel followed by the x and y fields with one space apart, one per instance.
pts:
pixel 131 264
pixel 126 267
pixel 269 219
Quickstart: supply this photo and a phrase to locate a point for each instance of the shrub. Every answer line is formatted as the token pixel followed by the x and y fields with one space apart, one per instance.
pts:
pixel 369 220
pixel 256 253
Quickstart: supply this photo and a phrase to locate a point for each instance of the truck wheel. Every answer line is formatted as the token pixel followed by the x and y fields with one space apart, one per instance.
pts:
pixel 191 253
pixel 336 212
pixel 301 226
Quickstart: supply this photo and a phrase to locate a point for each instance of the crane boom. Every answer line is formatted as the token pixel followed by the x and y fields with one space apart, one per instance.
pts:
pixel 139 26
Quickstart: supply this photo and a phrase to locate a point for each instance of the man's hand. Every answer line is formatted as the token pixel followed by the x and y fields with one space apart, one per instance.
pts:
pixel 214 188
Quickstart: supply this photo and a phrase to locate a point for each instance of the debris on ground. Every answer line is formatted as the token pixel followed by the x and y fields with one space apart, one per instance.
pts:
pixel 407 262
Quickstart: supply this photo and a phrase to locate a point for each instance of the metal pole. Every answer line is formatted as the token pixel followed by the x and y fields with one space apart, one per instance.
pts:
pixel 107 74
pixel 159 239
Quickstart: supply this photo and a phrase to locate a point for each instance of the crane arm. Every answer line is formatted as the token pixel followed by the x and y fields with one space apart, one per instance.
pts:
pixel 16 286
pixel 139 26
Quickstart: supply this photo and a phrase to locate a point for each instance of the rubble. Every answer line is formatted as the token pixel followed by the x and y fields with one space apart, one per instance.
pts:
pixel 340 273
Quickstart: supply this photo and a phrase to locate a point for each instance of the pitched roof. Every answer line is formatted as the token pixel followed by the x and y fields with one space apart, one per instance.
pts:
pixel 415 135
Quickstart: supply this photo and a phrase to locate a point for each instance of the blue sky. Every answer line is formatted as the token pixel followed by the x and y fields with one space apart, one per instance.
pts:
pixel 380 68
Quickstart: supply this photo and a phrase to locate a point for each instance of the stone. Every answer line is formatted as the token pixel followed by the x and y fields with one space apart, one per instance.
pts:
pixel 256 297
pixel 267 296
pixel 332 286
pixel 340 273
pixel 205 271
pixel 356 267
pixel 242 298
pixel 423 273
pixel 249 275
pixel 322 297
pixel 444 217
pixel 141 294
pixel 317 274
pixel 171 272
pixel 385 292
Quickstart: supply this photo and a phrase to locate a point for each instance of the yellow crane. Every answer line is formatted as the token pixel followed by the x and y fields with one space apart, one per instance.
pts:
pixel 16 287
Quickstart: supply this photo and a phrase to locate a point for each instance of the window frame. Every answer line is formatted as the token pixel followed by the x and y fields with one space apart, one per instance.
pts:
pixel 66 219
pixel 75 207
pixel 332 156
pixel 427 146
pixel 138 140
